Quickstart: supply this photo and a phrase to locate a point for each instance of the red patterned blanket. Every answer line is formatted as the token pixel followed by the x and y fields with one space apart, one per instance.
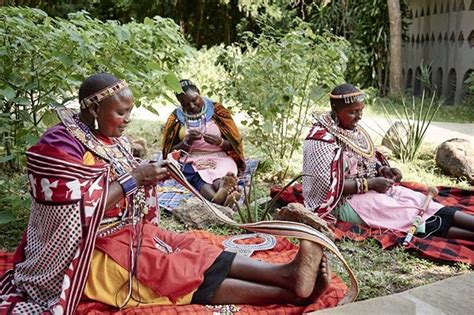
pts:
pixel 432 247
pixel 284 251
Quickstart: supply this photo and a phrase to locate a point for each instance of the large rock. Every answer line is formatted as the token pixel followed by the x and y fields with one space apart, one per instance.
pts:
pixel 456 157
pixel 296 212
pixel 394 136
pixel 194 214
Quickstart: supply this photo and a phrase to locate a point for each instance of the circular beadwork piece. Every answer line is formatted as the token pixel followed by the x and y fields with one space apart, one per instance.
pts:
pixel 269 241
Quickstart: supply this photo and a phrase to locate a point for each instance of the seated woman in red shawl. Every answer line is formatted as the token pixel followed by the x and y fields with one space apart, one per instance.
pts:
pixel 352 182
pixel 88 234
pixel 206 131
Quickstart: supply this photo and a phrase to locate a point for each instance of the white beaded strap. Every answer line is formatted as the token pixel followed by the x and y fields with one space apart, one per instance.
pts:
pixel 276 228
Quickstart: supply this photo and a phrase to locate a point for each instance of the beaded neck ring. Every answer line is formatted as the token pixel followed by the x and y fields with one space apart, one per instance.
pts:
pixel 350 98
pixel 103 94
pixel 358 140
pixel 195 116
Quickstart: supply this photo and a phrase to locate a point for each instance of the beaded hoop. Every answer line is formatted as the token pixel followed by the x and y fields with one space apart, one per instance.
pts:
pixel 269 241
pixel 103 94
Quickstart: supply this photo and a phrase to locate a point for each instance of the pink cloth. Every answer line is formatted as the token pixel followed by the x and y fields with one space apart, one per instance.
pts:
pixel 394 210
pixel 209 160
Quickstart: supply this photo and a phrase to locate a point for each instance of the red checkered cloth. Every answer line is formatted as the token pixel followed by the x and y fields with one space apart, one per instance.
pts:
pixel 284 251
pixel 432 247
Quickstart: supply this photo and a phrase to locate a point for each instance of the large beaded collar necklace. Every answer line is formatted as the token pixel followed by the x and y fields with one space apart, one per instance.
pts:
pixel 204 116
pixel 116 154
pixel 357 140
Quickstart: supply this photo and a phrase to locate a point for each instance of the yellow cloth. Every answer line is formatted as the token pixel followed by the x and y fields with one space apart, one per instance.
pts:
pixel 88 158
pixel 108 283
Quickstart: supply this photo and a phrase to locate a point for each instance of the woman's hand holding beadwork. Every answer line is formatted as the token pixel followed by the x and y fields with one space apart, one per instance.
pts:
pixel 150 173
pixel 192 136
pixel 213 139
pixel 380 184
pixel 391 173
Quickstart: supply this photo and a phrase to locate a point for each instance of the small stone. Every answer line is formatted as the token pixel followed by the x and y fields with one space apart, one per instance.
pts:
pixel 196 215
pixel 395 136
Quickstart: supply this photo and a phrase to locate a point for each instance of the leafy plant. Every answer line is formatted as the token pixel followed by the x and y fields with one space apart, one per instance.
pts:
pixel 253 211
pixel 44 60
pixel 278 83
pixel 414 122
pixel 14 199
pixel 425 77
pixel 470 83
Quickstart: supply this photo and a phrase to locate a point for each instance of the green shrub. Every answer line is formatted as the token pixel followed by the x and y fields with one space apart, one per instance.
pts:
pixel 44 60
pixel 279 83
pixel 415 119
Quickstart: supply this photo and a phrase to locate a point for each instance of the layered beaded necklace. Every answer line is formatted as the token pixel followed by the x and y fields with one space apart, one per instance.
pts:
pixel 196 121
pixel 358 140
pixel 116 153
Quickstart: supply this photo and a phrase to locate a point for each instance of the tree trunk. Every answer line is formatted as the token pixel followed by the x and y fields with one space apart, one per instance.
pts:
pixel 202 5
pixel 394 16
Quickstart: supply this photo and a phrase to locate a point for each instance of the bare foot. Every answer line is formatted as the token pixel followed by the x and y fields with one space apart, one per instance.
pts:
pixel 306 267
pixel 227 183
pixel 323 280
pixel 232 198
pixel 322 283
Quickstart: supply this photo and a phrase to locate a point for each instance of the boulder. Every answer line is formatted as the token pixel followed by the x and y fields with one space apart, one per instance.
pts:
pixel 395 136
pixel 194 214
pixel 456 157
pixel 296 212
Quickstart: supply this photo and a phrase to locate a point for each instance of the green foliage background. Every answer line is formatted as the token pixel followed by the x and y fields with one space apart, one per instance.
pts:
pixel 43 60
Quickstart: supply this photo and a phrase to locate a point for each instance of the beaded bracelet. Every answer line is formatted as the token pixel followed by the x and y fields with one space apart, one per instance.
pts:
pixel 358 185
pixel 365 184
pixel 128 183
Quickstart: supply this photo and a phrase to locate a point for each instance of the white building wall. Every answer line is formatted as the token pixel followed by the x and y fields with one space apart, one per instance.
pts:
pixel 441 34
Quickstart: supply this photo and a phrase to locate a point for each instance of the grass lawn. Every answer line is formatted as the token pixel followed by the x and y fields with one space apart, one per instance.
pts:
pixel 379 272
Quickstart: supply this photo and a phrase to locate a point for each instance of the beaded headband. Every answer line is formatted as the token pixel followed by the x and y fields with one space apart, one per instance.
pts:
pixel 103 94
pixel 351 98
pixel 184 83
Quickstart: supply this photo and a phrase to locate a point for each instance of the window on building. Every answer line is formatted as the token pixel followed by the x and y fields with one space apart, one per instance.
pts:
pixel 417 87
pixel 451 87
pixel 470 39
pixel 409 80
pixel 460 38
pixel 467 94
pixel 439 82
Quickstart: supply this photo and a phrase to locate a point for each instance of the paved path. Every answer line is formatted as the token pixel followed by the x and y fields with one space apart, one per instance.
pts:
pixel 449 296
pixel 437 132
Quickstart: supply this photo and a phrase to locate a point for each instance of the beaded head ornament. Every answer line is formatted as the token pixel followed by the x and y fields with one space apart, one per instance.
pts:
pixel 350 98
pixel 185 85
pixel 107 92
